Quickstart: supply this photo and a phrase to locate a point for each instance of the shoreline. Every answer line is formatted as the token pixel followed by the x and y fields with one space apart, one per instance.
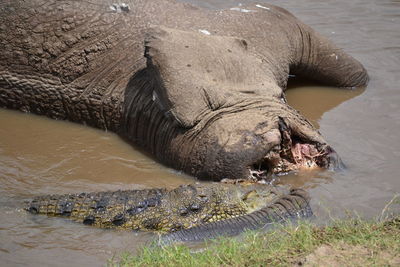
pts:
pixel 349 242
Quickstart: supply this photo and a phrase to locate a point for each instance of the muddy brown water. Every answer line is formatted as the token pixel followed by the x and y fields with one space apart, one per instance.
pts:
pixel 41 156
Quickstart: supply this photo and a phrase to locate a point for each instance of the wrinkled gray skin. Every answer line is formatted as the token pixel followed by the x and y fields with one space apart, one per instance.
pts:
pixel 212 105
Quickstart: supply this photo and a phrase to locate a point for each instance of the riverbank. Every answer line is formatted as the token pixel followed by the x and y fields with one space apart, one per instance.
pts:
pixel 352 242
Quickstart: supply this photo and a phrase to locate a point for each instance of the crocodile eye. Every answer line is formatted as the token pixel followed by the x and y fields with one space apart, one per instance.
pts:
pixel 183 211
pixel 195 207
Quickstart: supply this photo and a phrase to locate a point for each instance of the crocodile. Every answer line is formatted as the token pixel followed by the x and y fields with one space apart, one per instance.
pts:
pixel 191 212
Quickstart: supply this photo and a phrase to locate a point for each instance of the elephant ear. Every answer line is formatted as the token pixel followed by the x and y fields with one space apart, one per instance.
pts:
pixel 199 73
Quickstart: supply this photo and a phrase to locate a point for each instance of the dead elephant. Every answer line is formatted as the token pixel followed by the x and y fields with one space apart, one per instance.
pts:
pixel 201 90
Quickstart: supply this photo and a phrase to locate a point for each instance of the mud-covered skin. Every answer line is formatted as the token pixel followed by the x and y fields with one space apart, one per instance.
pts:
pixel 212 105
pixel 185 207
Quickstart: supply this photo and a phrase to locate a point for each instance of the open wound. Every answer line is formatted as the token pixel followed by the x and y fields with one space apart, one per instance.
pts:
pixel 292 154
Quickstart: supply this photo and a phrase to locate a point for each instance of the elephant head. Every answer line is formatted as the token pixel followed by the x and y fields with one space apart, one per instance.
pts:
pixel 215 108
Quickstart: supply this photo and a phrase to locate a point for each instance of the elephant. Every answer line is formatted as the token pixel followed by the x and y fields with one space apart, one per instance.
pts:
pixel 203 91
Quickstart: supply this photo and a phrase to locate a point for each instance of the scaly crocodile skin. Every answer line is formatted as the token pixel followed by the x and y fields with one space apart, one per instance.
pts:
pixel 159 210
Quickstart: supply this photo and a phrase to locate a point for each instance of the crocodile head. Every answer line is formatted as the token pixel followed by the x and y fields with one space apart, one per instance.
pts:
pixel 192 205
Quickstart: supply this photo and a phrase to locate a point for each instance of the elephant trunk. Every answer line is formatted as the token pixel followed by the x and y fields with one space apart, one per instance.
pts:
pixel 286 209
pixel 316 58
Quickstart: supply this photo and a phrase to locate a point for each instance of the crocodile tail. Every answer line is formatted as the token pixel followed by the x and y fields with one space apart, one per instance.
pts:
pixel 103 209
pixel 287 208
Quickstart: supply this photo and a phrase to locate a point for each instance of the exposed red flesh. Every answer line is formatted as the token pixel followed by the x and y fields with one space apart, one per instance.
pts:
pixel 291 155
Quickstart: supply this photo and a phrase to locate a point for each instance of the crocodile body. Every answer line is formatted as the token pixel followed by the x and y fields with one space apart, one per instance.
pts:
pixel 186 208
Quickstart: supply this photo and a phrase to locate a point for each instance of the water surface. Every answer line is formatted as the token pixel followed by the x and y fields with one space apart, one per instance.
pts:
pixel 41 156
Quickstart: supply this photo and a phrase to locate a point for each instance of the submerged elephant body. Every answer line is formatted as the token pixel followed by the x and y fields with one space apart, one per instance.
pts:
pixel 187 213
pixel 201 90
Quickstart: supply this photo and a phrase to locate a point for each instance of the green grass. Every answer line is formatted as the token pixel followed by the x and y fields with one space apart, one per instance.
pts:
pixel 354 241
